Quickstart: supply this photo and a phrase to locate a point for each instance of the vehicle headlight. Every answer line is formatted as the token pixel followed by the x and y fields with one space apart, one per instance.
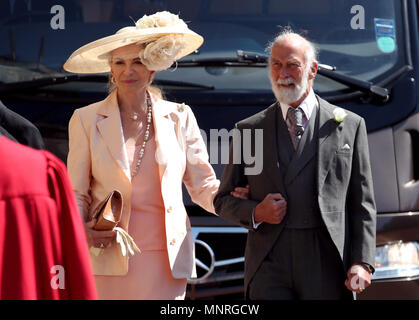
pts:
pixel 397 260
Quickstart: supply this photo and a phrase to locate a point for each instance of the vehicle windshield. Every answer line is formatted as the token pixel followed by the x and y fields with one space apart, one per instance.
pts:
pixel 361 38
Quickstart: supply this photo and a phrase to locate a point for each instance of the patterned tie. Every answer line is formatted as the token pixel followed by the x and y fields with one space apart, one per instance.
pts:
pixel 295 117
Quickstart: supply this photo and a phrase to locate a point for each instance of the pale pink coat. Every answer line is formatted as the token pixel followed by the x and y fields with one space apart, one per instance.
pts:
pixel 98 163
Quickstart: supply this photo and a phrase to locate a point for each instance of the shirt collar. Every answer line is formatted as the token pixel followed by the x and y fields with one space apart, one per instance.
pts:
pixel 308 105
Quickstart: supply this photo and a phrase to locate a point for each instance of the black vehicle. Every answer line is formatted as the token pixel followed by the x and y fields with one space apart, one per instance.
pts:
pixel 369 58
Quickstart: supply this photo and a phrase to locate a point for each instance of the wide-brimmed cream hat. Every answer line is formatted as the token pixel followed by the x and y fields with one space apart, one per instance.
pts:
pixel 166 36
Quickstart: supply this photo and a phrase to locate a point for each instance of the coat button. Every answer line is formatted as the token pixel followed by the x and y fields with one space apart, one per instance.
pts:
pixel 169 209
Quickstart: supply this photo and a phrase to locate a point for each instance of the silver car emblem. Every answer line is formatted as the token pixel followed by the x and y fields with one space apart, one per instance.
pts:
pixel 199 264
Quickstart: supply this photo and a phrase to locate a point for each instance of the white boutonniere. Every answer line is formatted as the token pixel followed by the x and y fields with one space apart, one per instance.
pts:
pixel 181 107
pixel 339 114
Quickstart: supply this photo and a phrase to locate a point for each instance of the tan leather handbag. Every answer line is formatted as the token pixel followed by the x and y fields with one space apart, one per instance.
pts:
pixel 112 260
pixel 109 211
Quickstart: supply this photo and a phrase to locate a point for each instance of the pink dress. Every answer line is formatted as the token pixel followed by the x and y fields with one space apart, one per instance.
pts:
pixel 149 275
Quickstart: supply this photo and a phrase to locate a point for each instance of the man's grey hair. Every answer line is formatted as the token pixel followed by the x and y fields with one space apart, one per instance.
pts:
pixel 310 55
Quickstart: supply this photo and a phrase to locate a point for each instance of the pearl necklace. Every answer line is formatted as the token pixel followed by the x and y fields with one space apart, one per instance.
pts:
pixel 146 136
pixel 134 116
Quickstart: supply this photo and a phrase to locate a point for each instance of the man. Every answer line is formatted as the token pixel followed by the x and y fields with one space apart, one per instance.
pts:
pixel 18 129
pixel 311 212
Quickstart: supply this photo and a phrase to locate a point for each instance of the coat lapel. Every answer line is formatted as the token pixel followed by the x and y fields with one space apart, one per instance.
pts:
pixel 270 147
pixel 110 128
pixel 164 133
pixel 329 135
pixel 284 145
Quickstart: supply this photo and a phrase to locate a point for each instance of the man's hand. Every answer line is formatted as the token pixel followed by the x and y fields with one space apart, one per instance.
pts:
pixel 358 278
pixel 271 210
pixel 241 193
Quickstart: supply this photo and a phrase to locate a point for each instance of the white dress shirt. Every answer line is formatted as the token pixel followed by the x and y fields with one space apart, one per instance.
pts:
pixel 308 105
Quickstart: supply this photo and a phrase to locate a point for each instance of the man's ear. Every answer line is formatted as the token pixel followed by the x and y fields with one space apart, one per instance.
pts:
pixel 313 70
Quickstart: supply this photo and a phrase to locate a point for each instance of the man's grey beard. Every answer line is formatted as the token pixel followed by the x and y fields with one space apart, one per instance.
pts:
pixel 290 95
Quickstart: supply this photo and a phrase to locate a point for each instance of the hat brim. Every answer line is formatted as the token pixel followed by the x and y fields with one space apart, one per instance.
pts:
pixel 93 58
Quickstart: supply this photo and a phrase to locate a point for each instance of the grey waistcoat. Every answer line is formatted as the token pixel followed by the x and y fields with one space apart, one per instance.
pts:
pixel 301 192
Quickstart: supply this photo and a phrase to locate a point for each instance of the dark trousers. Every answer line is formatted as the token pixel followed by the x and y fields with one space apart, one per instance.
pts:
pixel 302 265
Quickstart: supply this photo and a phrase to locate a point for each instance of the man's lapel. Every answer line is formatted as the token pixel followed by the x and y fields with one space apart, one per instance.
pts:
pixel 270 147
pixel 285 149
pixel 110 128
pixel 329 135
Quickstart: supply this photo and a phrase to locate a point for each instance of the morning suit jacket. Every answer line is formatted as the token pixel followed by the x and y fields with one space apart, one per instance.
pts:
pixel 98 163
pixel 19 129
pixel 344 190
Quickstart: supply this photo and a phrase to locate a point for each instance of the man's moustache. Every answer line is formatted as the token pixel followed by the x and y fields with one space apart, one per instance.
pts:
pixel 286 81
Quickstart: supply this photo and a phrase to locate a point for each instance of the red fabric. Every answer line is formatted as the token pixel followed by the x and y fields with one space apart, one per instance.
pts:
pixel 40 229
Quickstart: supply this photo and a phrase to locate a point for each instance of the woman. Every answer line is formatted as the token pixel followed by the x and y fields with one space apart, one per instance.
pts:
pixel 145 147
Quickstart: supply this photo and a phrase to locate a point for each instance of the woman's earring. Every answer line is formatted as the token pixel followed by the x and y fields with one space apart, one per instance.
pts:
pixel 151 78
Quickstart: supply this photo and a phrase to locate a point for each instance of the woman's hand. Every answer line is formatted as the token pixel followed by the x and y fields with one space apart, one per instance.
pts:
pixel 98 239
pixel 241 193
